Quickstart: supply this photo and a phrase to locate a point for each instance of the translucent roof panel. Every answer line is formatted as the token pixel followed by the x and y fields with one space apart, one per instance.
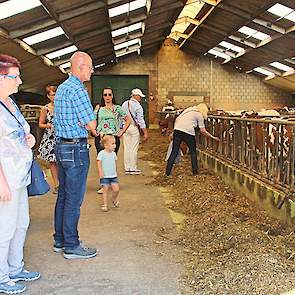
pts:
pixel 49 34
pixel 66 65
pixel 280 10
pixel 191 10
pixel 127 44
pixel 281 66
pixel 128 52
pixel 121 9
pixel 99 65
pixel 230 46
pixel 291 17
pixel 127 29
pixel 13 7
pixel 62 52
pixel 219 54
pixel 249 32
pixel 263 71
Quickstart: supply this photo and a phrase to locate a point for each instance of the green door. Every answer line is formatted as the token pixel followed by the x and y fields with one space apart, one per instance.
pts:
pixel 122 86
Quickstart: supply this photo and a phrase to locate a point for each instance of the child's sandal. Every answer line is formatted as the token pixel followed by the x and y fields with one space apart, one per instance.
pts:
pixel 104 208
pixel 116 204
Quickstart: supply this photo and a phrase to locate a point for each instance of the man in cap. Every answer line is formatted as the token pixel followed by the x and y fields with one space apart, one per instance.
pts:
pixel 132 135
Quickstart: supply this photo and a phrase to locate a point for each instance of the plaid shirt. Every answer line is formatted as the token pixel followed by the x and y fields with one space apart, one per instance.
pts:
pixel 72 109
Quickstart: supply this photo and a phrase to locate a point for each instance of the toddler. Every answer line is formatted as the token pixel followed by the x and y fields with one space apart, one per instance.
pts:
pixel 106 162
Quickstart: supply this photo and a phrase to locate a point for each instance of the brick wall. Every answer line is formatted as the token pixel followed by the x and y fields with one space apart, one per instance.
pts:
pixel 175 73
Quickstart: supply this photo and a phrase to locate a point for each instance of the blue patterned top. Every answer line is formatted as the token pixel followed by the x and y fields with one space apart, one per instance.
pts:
pixel 15 155
pixel 72 109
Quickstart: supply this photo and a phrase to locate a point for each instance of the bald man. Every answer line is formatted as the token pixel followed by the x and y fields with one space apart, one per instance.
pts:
pixel 73 117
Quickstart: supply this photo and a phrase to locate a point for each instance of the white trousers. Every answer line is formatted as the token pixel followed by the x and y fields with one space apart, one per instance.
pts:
pixel 131 143
pixel 14 222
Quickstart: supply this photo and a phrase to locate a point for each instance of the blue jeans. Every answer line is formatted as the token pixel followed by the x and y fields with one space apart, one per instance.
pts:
pixel 73 165
pixel 178 137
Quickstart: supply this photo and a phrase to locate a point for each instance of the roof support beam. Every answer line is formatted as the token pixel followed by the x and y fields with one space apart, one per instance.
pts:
pixel 165 8
pixel 152 41
pixel 215 30
pixel 269 25
pixel 155 28
pixel 210 2
pixel 128 37
pixel 234 10
pixel 291 61
pixel 242 41
pixel 37 26
pixel 130 21
pixel 58 46
pixel 80 11
pixel 187 19
pixel 91 34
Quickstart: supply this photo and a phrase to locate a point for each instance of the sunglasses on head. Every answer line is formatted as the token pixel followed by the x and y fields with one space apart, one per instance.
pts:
pixel 107 94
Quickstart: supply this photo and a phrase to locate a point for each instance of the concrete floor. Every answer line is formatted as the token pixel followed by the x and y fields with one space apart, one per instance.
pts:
pixel 130 261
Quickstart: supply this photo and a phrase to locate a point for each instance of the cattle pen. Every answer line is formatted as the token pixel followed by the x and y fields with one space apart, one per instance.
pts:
pixel 257 156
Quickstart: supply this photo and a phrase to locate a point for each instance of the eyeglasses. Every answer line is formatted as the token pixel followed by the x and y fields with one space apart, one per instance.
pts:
pixel 107 94
pixel 11 76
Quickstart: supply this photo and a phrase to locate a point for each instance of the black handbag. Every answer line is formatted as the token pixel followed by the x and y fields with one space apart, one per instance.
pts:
pixel 39 185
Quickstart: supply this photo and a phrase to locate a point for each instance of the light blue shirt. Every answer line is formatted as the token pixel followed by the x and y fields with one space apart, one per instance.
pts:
pixel 136 111
pixel 15 155
pixel 108 163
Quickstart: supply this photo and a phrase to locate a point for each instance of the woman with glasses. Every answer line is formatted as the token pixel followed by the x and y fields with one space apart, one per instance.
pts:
pixel 109 119
pixel 16 157
pixel 47 145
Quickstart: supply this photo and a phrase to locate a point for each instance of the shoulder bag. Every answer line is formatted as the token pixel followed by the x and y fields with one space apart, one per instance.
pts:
pixel 138 127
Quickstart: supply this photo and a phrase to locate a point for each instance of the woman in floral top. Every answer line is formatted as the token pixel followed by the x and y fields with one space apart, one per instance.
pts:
pixel 109 119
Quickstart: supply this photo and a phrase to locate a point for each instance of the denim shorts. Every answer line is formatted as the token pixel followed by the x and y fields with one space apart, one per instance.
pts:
pixel 108 181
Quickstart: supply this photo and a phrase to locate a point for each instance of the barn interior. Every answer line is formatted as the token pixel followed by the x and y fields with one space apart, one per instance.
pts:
pixel 233 55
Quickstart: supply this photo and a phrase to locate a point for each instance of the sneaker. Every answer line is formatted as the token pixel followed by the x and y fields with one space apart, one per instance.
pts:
pixel 25 275
pixel 58 247
pixel 135 172
pixel 100 191
pixel 127 172
pixel 81 252
pixel 11 287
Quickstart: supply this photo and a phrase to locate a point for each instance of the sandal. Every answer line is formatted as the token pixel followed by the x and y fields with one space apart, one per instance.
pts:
pixel 116 204
pixel 104 208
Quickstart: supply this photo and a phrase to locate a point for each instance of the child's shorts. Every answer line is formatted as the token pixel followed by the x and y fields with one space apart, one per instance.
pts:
pixel 108 181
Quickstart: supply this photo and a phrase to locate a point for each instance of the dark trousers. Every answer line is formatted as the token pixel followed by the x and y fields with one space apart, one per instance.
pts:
pixel 178 137
pixel 73 164
pixel 99 147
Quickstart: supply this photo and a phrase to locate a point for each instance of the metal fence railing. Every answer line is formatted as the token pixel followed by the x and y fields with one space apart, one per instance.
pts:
pixel 263 147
